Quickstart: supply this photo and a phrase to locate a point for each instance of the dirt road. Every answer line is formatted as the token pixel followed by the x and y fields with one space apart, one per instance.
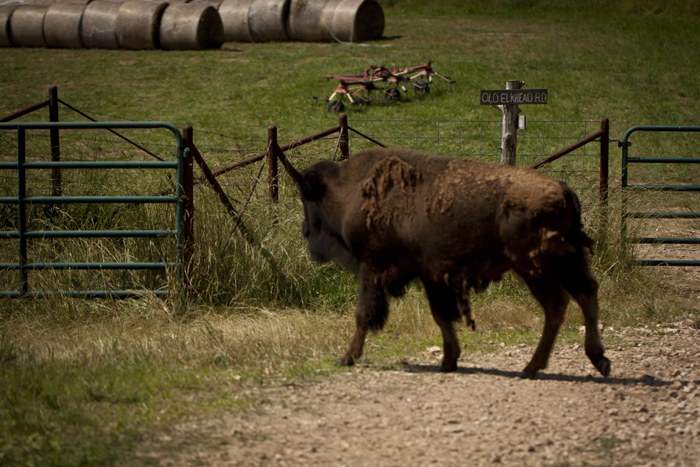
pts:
pixel 645 414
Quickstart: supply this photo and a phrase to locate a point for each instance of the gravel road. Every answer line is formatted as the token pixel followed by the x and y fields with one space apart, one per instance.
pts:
pixel 644 414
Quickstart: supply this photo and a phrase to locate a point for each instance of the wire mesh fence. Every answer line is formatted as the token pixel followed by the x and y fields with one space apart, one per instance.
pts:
pixel 473 140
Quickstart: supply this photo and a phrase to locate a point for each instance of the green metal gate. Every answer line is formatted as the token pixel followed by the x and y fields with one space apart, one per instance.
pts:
pixel 626 162
pixel 23 266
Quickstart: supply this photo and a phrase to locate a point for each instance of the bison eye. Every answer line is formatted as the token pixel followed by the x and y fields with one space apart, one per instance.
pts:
pixel 305 229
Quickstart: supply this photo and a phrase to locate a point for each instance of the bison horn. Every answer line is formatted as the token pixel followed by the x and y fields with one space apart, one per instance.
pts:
pixel 296 176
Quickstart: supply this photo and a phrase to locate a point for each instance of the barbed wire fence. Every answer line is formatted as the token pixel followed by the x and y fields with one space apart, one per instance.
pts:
pixel 469 139
pixel 473 140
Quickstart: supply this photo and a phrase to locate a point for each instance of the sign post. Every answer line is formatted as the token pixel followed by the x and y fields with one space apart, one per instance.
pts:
pixel 507 102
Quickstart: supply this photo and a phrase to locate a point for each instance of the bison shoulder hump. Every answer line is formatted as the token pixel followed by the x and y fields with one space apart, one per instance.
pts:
pixel 388 192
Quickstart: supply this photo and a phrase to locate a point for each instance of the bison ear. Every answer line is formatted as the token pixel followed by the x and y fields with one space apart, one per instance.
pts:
pixel 312 187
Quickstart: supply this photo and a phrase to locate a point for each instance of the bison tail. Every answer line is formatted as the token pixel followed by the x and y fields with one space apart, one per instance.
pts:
pixel 377 312
pixel 576 236
pixel 372 305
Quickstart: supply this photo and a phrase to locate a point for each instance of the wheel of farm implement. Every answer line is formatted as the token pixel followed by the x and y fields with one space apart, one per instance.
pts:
pixel 392 94
pixel 362 101
pixel 421 87
pixel 335 106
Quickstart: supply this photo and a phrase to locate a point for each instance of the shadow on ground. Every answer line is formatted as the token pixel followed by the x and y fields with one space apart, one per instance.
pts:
pixel 645 380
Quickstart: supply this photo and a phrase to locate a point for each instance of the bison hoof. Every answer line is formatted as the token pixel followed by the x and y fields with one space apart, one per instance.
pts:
pixel 345 361
pixel 448 368
pixel 603 365
pixel 527 373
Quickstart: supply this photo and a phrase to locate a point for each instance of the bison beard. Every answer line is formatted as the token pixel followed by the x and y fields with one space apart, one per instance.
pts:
pixel 394 215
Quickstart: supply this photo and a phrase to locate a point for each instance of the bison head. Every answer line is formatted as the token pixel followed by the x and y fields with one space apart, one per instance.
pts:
pixel 323 213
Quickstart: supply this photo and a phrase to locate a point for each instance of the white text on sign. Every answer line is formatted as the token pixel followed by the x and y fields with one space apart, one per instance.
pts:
pixel 513 97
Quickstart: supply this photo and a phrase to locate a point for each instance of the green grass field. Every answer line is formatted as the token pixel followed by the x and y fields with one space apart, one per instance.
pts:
pixel 103 382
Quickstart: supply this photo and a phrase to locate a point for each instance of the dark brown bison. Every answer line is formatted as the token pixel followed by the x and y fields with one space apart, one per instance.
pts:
pixel 393 215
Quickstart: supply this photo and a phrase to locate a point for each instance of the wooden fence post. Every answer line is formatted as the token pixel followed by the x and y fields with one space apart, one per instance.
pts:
pixel 56 188
pixel 509 138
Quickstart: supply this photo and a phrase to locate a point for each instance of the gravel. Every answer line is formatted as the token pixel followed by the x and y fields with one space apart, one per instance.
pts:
pixel 644 414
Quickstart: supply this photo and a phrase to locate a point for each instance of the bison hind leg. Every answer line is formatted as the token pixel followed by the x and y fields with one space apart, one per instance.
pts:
pixel 601 362
pixel 466 310
pixel 580 283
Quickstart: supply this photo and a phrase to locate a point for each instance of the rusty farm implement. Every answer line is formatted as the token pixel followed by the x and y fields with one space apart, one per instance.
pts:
pixel 358 88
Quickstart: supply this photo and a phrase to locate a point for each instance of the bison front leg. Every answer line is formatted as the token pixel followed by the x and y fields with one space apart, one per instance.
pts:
pixel 554 300
pixel 370 314
pixel 443 305
pixel 356 344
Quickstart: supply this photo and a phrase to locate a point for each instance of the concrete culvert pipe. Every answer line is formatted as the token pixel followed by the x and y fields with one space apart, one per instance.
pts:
pixel 62 25
pixel 191 26
pixel 303 20
pixel 138 24
pixel 234 17
pixel 5 15
pixel 352 20
pixel 27 26
pixel 99 26
pixel 266 20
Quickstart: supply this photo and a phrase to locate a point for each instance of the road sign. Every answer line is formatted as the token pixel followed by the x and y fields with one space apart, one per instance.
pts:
pixel 513 97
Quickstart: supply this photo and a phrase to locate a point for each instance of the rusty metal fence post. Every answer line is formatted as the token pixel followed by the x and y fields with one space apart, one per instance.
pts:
pixel 214 183
pixel 343 138
pixel 604 160
pixel 188 188
pixel 52 104
pixel 604 189
pixel 56 188
pixel 272 175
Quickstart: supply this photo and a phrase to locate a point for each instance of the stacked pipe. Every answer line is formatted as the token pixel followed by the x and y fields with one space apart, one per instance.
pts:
pixel 184 24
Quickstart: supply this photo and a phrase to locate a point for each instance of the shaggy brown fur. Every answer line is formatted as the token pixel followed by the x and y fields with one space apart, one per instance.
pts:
pixel 396 214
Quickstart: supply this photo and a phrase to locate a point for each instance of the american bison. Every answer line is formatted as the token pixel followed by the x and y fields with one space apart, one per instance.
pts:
pixel 393 215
